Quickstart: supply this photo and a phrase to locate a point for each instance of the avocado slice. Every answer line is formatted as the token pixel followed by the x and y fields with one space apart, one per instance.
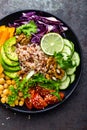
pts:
pixel 7 60
pixel 10 50
pixel 11 74
pixel 9 68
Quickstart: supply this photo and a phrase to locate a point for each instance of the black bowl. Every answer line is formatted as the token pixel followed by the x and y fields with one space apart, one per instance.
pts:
pixel 69 35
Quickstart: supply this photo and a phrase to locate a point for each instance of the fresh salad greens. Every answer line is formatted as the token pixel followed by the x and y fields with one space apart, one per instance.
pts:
pixel 27 29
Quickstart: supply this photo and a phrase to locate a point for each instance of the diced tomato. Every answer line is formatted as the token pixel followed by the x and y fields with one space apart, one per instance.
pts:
pixel 43 91
pixel 61 95
pixel 28 103
pixel 50 99
pixel 38 102
pixel 35 101
pixel 41 97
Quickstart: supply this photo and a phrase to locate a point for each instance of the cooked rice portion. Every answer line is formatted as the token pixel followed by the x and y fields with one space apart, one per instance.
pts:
pixel 31 57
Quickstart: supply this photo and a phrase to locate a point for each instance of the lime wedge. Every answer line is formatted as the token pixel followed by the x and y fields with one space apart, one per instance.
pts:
pixel 52 42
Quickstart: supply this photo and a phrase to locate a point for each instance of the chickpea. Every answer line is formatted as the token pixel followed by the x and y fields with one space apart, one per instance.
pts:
pixel 1 92
pixel 21 103
pixel 1 87
pixel 2 81
pixel 10 92
pixel 22 99
pixel 6 99
pixel 2 95
pixel 3 99
pixel 5 85
pixel 2 75
pixel 8 82
pixel 12 105
pixel 20 94
pixel 7 78
pixel 16 102
pixel 5 91
pixel 13 82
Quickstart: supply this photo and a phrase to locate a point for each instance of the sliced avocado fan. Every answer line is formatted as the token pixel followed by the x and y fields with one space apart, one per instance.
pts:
pixel 7 60
pixel 9 68
pixel 10 49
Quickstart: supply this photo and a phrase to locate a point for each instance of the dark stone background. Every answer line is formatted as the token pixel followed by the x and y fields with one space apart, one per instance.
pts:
pixel 72 115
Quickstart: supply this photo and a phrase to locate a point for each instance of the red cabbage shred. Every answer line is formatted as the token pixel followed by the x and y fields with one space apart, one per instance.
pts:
pixel 44 25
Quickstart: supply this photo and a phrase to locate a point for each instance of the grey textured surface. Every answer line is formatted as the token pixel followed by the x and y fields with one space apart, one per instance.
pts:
pixel 72 115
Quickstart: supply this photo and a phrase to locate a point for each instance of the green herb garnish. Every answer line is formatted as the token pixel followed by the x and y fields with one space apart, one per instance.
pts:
pixel 13 96
pixel 64 64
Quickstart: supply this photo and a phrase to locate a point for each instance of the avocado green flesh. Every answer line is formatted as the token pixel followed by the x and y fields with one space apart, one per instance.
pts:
pixel 11 74
pixel 9 68
pixel 7 60
pixel 9 49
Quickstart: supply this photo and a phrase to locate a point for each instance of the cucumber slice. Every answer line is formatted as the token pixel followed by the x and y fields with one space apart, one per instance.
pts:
pixel 65 56
pixel 65 76
pixel 68 43
pixel 76 58
pixel 70 71
pixel 65 83
pixel 73 63
pixel 72 78
pixel 67 50
pixel 72 46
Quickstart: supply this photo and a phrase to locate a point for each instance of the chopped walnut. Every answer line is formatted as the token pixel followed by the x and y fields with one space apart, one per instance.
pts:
pixel 23 39
pixel 53 71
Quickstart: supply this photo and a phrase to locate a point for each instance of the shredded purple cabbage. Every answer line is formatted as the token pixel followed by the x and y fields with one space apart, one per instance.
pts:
pixel 44 25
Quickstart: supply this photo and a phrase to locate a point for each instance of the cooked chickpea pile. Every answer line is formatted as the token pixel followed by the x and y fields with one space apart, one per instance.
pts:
pixel 5 83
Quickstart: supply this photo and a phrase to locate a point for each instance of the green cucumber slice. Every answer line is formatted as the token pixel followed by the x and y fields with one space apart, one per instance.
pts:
pixel 72 46
pixel 76 58
pixel 72 78
pixel 65 76
pixel 68 43
pixel 64 85
pixel 67 50
pixel 70 71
